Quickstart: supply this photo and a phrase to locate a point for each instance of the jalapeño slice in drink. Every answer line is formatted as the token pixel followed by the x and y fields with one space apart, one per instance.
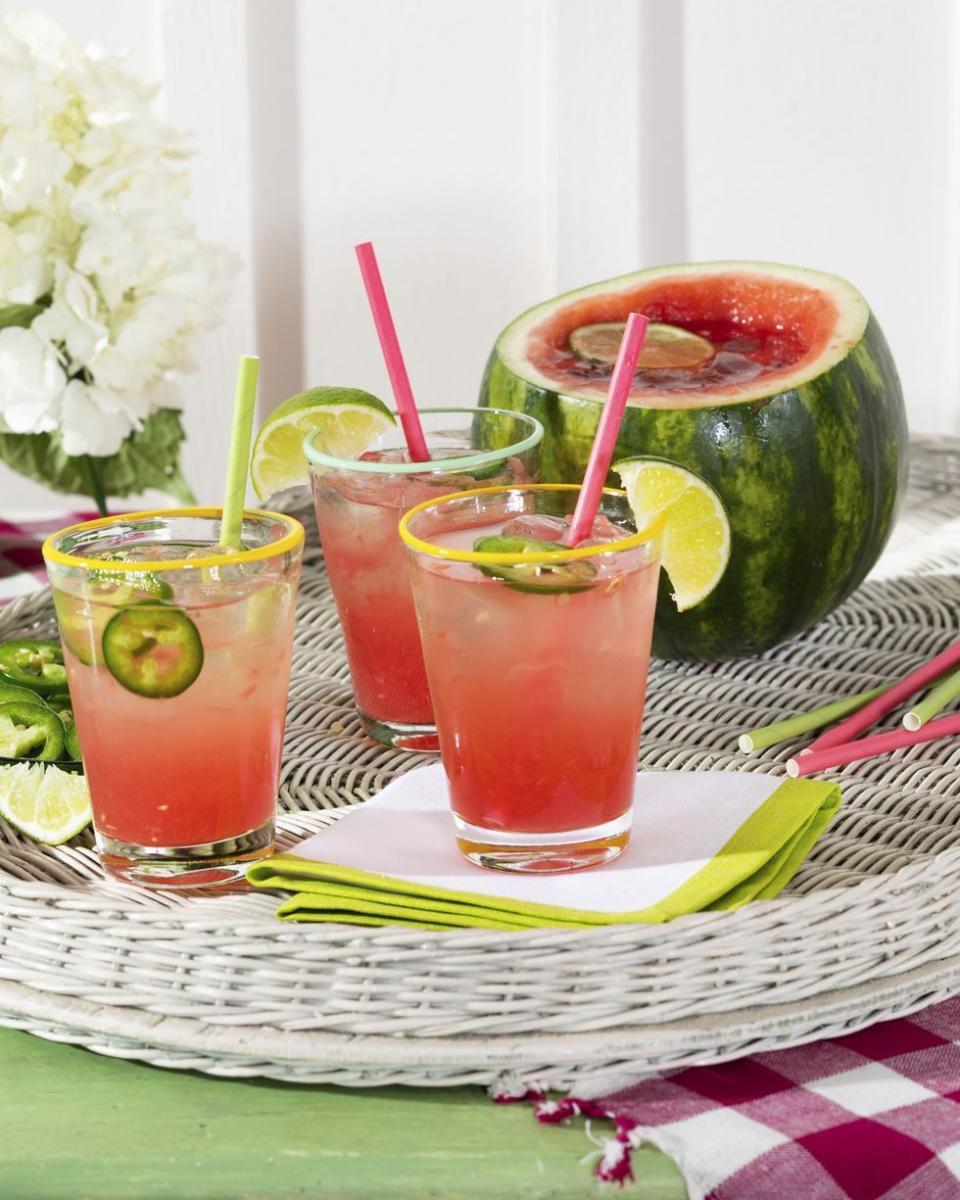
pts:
pixel 37 665
pixel 153 649
pixel 126 587
pixel 535 576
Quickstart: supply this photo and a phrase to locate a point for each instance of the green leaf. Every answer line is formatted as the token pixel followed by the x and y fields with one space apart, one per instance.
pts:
pixel 20 314
pixel 149 458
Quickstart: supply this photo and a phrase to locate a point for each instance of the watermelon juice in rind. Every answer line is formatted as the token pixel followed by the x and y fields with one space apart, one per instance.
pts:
pixel 358 504
pixel 537 660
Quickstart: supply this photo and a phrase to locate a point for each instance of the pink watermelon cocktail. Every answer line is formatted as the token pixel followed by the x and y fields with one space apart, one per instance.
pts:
pixel 537 661
pixel 178 661
pixel 358 504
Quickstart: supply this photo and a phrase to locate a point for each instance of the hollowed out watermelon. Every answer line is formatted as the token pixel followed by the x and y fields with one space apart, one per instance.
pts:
pixel 796 420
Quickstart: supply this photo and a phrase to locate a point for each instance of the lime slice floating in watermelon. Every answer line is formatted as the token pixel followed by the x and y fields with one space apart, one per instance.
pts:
pixel 695 546
pixel 45 803
pixel 349 418
pixel 665 347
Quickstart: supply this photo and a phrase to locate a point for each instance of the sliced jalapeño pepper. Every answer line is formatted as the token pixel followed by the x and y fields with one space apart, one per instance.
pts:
pixel 33 664
pixel 9 691
pixel 30 731
pixel 153 650
pixel 574 576
pixel 62 705
pixel 78 621
pixel 72 744
pixel 119 588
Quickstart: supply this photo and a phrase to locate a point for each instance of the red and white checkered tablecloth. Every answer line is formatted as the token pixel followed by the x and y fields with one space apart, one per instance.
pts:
pixel 874 1115
pixel 21 536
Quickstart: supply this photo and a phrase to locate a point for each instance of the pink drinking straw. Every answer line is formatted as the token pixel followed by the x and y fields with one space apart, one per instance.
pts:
pixel 869 747
pixel 387 333
pixel 852 727
pixel 601 453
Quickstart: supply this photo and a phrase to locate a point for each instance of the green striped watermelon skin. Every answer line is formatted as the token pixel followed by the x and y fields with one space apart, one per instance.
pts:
pixel 811 479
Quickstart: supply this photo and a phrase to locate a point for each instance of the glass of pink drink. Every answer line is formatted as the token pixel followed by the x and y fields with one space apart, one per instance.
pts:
pixel 178 659
pixel 537 658
pixel 358 504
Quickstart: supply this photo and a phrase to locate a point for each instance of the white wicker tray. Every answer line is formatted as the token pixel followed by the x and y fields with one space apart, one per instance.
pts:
pixel 870 927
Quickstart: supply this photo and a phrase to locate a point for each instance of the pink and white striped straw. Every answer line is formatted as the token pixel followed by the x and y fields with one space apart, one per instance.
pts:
pixel 601 452
pixel 390 345
pixel 852 727
pixel 868 747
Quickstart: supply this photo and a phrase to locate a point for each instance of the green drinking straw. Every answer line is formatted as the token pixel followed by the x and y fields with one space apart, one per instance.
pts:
pixel 946 691
pixel 245 397
pixel 769 735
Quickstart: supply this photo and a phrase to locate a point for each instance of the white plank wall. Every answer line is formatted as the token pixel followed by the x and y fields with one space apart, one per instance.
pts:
pixel 826 134
pixel 424 132
pixel 498 151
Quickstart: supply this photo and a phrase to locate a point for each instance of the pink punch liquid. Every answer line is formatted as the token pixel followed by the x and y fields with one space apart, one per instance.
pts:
pixel 538 696
pixel 357 518
pixel 202 766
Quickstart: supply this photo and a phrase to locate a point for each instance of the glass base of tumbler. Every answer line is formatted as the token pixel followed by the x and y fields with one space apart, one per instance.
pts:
pixel 421 738
pixel 543 853
pixel 209 864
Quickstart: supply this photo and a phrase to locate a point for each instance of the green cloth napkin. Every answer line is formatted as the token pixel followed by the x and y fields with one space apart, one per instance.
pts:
pixel 701 841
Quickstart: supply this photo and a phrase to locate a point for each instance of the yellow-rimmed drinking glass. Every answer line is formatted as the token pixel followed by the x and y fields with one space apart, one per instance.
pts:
pixel 537 661
pixel 178 660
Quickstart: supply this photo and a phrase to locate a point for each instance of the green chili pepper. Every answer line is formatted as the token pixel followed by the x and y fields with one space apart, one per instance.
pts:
pixel 573 576
pixel 153 650
pixel 30 731
pixel 33 664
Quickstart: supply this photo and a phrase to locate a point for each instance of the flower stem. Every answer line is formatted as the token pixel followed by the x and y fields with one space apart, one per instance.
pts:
pixel 95 483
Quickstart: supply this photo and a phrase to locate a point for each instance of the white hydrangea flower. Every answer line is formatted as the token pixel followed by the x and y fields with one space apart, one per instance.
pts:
pixel 26 271
pixel 30 166
pixel 93 420
pixel 72 320
pixel 120 374
pixel 31 382
pixel 39 35
pixel 93 228
pixel 114 257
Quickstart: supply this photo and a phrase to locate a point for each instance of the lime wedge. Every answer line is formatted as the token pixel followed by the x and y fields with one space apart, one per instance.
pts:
pixel 665 347
pixel 45 803
pixel 349 419
pixel 696 538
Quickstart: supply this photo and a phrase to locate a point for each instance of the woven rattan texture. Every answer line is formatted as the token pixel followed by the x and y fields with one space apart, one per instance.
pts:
pixel 217 984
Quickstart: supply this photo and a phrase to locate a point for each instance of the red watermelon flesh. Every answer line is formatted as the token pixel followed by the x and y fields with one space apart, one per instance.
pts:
pixel 760 332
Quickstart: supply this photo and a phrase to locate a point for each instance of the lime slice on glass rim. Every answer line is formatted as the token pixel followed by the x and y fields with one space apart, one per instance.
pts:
pixel 350 420
pixel 45 803
pixel 695 547
pixel 665 347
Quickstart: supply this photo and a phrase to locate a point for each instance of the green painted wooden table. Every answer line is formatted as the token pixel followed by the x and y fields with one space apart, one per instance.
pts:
pixel 75 1125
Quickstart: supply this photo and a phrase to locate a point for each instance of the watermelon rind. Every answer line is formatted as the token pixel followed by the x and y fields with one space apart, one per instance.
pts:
pixel 811 473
